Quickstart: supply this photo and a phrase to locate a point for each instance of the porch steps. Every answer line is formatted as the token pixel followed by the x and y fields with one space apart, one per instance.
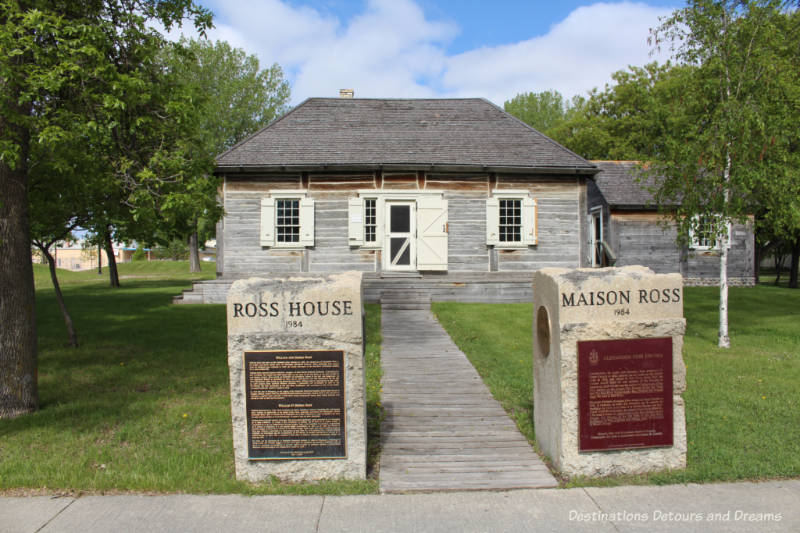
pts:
pixel 405 299
pixel 190 296
pixel 443 429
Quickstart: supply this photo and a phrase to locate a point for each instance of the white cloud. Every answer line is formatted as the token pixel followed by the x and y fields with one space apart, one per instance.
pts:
pixel 576 55
pixel 392 50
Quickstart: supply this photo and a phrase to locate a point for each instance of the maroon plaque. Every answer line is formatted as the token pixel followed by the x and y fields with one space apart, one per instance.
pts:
pixel 295 404
pixel 625 393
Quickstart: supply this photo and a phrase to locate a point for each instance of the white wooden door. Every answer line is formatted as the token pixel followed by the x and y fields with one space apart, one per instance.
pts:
pixel 432 229
pixel 400 244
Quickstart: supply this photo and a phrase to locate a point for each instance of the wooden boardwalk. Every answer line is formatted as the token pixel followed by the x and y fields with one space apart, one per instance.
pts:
pixel 443 429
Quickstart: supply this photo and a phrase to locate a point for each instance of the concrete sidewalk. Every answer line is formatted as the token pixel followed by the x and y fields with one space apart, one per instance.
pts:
pixel 729 507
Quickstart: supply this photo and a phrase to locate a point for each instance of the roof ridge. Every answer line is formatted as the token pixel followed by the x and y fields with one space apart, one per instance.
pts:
pixel 432 99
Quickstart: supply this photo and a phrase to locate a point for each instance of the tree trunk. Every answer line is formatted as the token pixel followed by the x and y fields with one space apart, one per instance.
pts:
pixel 795 264
pixel 779 258
pixel 18 378
pixel 759 252
pixel 194 251
pixel 723 237
pixel 113 275
pixel 724 340
pixel 73 336
pixel 99 260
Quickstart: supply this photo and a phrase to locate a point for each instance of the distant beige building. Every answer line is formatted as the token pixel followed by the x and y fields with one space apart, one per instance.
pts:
pixel 74 255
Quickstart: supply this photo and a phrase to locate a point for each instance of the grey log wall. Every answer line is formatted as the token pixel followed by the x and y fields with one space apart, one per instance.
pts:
pixel 561 202
pixel 641 239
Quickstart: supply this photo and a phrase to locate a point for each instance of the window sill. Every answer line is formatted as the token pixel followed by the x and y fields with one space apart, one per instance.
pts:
pixel 514 246
pixel 287 248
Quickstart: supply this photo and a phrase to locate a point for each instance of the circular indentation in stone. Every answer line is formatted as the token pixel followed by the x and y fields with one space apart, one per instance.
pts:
pixel 543 331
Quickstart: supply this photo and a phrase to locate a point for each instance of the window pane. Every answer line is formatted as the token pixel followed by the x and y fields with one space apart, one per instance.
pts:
pixel 510 223
pixel 396 245
pixel 287 220
pixel 400 218
pixel 370 220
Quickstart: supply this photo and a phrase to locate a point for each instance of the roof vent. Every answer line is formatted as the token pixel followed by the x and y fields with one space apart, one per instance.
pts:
pixel 346 93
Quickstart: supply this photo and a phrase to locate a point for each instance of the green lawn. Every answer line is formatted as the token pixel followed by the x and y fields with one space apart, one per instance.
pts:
pixel 742 404
pixel 144 403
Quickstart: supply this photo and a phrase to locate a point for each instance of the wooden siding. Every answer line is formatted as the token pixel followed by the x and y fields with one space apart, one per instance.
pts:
pixel 262 184
pixel 640 239
pixel 705 264
pixel 559 222
pixel 331 251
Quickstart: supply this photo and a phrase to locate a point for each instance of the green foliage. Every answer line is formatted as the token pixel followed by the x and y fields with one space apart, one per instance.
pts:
pixel 176 250
pixel 738 100
pixel 739 402
pixel 139 255
pixel 630 118
pixel 541 111
pixel 222 96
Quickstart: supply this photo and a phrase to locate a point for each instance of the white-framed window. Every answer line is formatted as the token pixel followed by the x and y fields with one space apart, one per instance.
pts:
pixel 704 233
pixel 511 219
pixel 364 221
pixel 287 220
pixel 510 222
pixel 370 220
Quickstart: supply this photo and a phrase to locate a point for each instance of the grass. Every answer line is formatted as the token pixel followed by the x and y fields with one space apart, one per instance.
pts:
pixel 144 403
pixel 742 404
pixel 139 270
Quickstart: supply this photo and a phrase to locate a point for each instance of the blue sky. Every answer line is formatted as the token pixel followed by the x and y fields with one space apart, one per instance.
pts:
pixel 441 48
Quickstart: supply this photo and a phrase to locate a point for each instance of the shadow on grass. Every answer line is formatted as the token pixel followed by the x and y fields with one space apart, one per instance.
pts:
pixel 142 404
pixel 137 352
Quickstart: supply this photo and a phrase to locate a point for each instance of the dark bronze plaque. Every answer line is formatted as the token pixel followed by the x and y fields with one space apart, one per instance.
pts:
pixel 295 404
pixel 625 393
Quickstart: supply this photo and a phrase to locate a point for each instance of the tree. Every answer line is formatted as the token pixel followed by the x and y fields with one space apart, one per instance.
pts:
pixel 541 111
pixel 57 198
pixel 47 48
pixel 714 169
pixel 628 119
pixel 231 98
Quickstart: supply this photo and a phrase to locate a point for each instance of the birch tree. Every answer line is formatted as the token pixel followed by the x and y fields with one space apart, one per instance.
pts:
pixel 714 170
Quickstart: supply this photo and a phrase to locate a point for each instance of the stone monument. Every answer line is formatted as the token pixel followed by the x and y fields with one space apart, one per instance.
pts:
pixel 608 371
pixel 296 360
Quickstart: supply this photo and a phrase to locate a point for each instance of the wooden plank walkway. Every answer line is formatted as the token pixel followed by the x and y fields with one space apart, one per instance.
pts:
pixel 443 429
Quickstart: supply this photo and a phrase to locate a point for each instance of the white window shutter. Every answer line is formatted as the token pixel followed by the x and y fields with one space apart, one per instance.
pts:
pixel 355 221
pixel 492 221
pixel 306 222
pixel 432 232
pixel 529 221
pixel 267 237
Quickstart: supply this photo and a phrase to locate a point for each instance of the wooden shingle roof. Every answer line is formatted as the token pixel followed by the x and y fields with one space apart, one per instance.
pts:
pixel 359 133
pixel 619 186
